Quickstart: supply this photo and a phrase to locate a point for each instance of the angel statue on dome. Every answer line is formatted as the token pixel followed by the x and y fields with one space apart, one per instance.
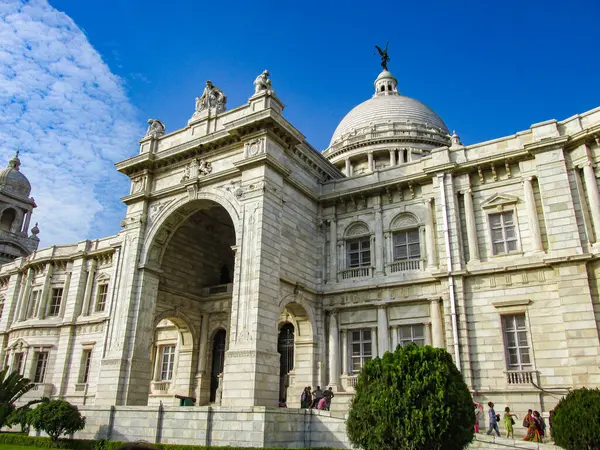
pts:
pixel 384 55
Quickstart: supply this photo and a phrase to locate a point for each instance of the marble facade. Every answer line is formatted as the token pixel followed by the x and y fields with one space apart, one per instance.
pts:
pixel 237 228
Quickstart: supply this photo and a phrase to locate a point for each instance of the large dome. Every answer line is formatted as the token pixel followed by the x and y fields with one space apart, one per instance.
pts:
pixel 13 181
pixel 388 109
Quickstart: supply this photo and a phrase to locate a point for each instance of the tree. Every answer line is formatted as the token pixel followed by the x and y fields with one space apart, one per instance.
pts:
pixel 576 420
pixel 12 387
pixel 56 417
pixel 20 415
pixel 412 399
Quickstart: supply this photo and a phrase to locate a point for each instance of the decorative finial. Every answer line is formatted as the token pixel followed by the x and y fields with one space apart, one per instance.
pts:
pixel 455 139
pixel 35 230
pixel 384 55
pixel 15 162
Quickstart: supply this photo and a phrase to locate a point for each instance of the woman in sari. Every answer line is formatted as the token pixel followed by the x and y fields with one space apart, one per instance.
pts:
pixel 478 411
pixel 305 398
pixel 533 427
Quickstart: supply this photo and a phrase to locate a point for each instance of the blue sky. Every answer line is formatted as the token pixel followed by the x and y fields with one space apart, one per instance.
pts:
pixel 487 68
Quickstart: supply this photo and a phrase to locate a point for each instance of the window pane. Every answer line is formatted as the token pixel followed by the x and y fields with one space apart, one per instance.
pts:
pixel 366 258
pixel 355 349
pixel 356 335
pixel 367 349
pixel 353 246
pixel 400 238
pixel 525 357
pixel 497 236
pixel 414 251
pixel 507 217
pixel 418 331
pixel 366 244
pixel 499 249
pixel 495 220
pixel 510 340
pixel 401 253
pixel 510 232
pixel 522 338
pixel 413 236
pixel 520 320
pixel 512 246
pixel 513 360
pixel 366 335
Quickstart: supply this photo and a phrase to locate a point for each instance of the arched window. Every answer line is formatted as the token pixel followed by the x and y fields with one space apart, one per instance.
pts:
pixel 7 219
pixel 406 243
pixel 358 246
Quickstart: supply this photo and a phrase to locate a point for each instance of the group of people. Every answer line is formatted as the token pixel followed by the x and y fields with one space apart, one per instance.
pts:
pixel 533 421
pixel 316 399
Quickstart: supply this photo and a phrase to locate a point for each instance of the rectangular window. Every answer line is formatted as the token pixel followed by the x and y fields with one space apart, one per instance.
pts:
pixel 86 362
pixel 359 252
pixel 166 363
pixel 1 305
pixel 41 360
pixel 504 236
pixel 55 302
pixel 412 334
pixel 18 362
pixel 361 348
pixel 32 304
pixel 515 342
pixel 101 297
pixel 406 245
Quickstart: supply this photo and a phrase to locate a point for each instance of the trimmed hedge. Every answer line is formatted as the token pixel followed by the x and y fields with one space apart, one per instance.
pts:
pixel 86 444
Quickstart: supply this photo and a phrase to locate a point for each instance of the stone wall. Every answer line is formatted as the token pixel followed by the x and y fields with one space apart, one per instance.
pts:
pixel 216 426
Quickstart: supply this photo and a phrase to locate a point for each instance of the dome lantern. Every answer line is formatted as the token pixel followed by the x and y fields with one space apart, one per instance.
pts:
pixel 386 84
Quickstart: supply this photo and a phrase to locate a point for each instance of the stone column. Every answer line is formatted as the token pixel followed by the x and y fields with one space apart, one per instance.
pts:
pixel 203 344
pixel 344 352
pixel 87 296
pixel 374 342
pixel 471 227
pixel 379 263
pixel 430 236
pixel 26 224
pixel 392 158
pixel 534 224
pixel 26 293
pixel 333 249
pixel 437 335
pixel 45 294
pixel 394 337
pixel 334 348
pixel 593 197
pixel 427 332
pixel 370 160
pixel 383 342
pixel 348 167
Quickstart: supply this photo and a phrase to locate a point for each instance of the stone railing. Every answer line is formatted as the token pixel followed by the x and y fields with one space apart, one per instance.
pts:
pixel 357 272
pixel 521 377
pixel 405 265
pixel 160 387
pixel 348 382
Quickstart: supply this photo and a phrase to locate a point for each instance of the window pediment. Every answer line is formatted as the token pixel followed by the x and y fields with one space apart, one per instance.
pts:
pixel 356 229
pixel 499 201
pixel 404 220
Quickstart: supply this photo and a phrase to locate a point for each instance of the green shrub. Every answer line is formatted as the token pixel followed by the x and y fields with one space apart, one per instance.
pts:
pixel 56 417
pixel 20 416
pixel 412 399
pixel 576 420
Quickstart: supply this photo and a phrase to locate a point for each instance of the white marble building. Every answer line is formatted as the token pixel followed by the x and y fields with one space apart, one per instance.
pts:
pixel 250 265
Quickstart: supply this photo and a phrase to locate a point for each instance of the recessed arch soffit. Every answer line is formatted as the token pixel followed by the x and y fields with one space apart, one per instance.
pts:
pixel 356 229
pixel 174 215
pixel 177 318
pixel 298 309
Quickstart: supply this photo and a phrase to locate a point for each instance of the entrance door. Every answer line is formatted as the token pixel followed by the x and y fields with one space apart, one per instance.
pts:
pixel 218 363
pixel 285 347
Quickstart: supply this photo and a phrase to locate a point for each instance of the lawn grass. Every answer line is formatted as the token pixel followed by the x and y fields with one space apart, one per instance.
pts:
pixel 12 447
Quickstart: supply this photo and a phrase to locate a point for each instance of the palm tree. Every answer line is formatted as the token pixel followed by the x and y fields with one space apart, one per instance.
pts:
pixel 12 387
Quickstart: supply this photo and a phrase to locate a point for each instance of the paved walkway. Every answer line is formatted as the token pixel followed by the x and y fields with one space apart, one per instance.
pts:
pixel 484 441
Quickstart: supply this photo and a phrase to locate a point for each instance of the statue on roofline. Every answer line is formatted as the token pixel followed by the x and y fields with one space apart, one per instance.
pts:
pixel 384 55
pixel 155 128
pixel 263 84
pixel 212 97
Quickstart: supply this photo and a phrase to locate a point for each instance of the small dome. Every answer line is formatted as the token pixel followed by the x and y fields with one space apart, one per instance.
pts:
pixel 13 181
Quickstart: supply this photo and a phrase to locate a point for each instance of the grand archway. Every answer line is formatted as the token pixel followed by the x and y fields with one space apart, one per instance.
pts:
pixel 195 259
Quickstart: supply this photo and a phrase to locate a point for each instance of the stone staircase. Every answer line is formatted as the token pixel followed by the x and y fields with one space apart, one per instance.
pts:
pixel 483 441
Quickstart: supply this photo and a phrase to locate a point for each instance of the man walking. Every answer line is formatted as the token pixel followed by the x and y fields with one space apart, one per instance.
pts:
pixel 493 420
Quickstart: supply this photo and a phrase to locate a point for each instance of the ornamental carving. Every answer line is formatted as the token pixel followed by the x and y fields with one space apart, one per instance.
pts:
pixel 212 98
pixel 156 208
pixel 155 128
pixel 196 168
pixel 255 147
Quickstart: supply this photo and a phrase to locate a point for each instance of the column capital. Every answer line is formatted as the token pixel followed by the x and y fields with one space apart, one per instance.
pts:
pixel 466 191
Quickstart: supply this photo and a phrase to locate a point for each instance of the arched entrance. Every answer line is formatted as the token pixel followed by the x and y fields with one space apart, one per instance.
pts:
pixel 218 363
pixel 193 252
pixel 298 349
pixel 285 347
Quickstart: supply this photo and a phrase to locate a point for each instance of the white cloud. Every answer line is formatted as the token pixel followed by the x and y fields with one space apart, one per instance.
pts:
pixel 71 118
